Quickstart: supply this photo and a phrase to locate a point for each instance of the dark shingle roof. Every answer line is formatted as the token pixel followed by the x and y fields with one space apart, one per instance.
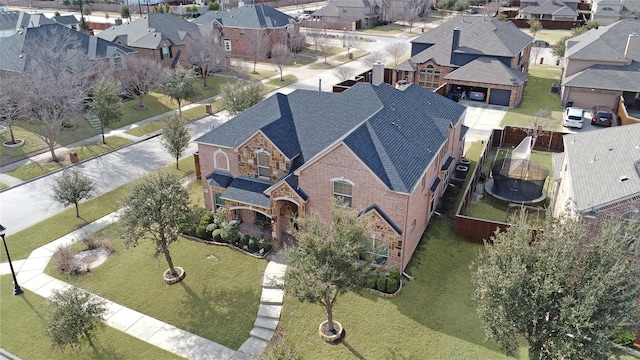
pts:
pixel 250 17
pixel 434 184
pixel 292 180
pixel 383 215
pixel 148 31
pixel 220 179
pixel 598 160
pixel 396 133
pixel 13 20
pixel 248 191
pixel 611 77
pixel 66 20
pixel 488 70
pixel 479 35
pixel 606 43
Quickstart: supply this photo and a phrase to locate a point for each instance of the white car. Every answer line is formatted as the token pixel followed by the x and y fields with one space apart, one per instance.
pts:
pixel 304 17
pixel 573 117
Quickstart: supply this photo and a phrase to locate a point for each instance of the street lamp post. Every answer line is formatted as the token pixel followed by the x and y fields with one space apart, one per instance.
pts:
pixel 344 37
pixel 16 288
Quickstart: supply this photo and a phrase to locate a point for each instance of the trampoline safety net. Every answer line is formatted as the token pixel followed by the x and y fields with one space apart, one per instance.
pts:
pixel 521 183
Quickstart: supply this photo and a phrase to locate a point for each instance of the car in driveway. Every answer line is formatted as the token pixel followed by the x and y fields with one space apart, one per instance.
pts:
pixel 477 94
pixel 304 17
pixel 573 117
pixel 540 43
pixel 602 115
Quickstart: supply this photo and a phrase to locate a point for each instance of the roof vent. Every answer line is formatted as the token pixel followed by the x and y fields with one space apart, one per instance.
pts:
pixel 624 178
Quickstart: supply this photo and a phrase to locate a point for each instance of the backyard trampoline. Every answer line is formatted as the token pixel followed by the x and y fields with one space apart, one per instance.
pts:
pixel 517 181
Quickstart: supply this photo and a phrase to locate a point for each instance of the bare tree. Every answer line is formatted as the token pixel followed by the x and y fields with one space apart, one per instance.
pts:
pixel 351 41
pixel 142 76
pixel 396 50
pixel 345 72
pixel 373 56
pixel 535 52
pixel 281 57
pixel 207 55
pixel 411 13
pixel 9 100
pixel 324 44
pixel 314 35
pixel 54 85
pixel 258 46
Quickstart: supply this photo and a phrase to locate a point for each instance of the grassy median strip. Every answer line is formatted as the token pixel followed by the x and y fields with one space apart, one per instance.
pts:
pixel 25 241
pixel 24 319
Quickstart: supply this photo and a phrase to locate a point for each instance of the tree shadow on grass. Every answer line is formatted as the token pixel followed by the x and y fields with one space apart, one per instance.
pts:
pixel 353 351
pixel 25 297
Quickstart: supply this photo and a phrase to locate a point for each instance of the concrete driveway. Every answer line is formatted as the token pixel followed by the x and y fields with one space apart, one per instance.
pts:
pixel 482 119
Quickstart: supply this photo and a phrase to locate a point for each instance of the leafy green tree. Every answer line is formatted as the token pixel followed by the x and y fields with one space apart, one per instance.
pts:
pixel 71 187
pixel 331 259
pixel 180 85
pixel 125 13
pixel 566 294
pixel 175 136
pixel 535 26
pixel 76 316
pixel 156 208
pixel 213 6
pixel 105 104
pixel 560 46
pixel 501 17
pixel 237 97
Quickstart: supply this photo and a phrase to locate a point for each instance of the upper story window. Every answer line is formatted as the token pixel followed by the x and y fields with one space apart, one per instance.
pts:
pixel 227 44
pixel 220 160
pixel 241 31
pixel 264 164
pixel 429 77
pixel 343 191
pixel 165 52
pixel 117 61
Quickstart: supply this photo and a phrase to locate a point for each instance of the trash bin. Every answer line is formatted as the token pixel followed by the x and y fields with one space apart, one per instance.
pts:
pixel 208 108
pixel 567 103
pixel 73 156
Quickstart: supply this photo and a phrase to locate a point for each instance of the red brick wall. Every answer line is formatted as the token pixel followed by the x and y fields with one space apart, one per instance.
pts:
pixel 241 44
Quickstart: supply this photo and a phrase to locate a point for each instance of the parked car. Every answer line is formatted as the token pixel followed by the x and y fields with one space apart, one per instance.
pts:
pixel 477 94
pixel 304 17
pixel 602 115
pixel 541 43
pixel 474 11
pixel 573 117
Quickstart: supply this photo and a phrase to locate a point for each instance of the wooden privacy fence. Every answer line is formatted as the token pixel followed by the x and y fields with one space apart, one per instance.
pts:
pixel 625 119
pixel 513 135
pixel 476 230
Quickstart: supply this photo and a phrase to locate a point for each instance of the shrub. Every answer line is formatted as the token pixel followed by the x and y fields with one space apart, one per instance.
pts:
pixel 205 220
pixel 230 231
pixel 217 235
pixel 371 282
pixel 63 257
pixel 624 337
pixel 395 274
pixel 213 6
pixel 244 240
pixel 381 283
pixel 253 244
pixel 190 225
pixel 91 243
pixel 392 285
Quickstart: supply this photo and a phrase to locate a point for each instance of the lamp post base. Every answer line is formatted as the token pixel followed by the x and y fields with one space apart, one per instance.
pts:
pixel 17 290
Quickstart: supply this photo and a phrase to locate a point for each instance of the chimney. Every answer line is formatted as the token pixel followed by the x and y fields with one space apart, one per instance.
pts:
pixel 632 46
pixel 378 73
pixel 93 45
pixel 455 43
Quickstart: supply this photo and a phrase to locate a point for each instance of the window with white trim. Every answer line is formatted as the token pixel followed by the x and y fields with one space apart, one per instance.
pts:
pixel 380 251
pixel 264 164
pixel 117 61
pixel 220 160
pixel 343 191
pixel 165 52
pixel 227 44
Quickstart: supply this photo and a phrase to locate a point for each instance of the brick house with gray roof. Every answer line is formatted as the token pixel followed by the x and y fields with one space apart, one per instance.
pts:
pixel 363 13
pixel 566 10
pixel 598 175
pixel 236 29
pixel 602 65
pixel 387 153
pixel 471 51
pixel 160 36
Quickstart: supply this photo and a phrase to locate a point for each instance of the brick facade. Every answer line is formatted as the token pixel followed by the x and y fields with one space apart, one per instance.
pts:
pixel 241 38
pixel 248 163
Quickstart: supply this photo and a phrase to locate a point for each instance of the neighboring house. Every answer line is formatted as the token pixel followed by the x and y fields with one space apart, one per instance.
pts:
pixel 603 64
pixel 606 12
pixel 385 152
pixel 364 13
pixel 472 51
pixel 15 55
pixel 69 21
pixel 237 29
pixel 566 10
pixel 160 36
pixel 14 21
pixel 3 8
pixel 598 175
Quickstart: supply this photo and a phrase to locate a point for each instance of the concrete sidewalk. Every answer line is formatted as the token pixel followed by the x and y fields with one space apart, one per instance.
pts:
pixel 31 276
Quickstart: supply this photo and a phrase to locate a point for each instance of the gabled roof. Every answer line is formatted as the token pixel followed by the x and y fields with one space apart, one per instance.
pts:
pixel 379 124
pixel 606 43
pixel 250 17
pixel 597 161
pixel 15 48
pixel 292 180
pixel 248 191
pixel 21 20
pixel 549 7
pixel 219 178
pixel 479 35
pixel 148 31
pixel 66 20
pixel 488 70
pixel 383 215
pixel 611 77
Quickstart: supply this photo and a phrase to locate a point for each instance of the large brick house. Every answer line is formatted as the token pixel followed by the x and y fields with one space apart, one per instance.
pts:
pixel 602 65
pixel 387 153
pixel 160 36
pixel 598 175
pixel 251 27
pixel 471 51
pixel 364 13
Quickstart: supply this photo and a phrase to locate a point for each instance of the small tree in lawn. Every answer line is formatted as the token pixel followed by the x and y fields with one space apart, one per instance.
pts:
pixel 239 96
pixel 76 316
pixel 281 57
pixel 535 26
pixel 314 35
pixel 396 50
pixel 71 187
pixel 373 56
pixel 180 85
pixel 332 258
pixel 175 136
pixel 324 43
pixel 9 103
pixel 351 42
pixel 257 46
pixel 142 76
pixel 156 208
pixel 205 53
pixel 344 72
pixel 105 104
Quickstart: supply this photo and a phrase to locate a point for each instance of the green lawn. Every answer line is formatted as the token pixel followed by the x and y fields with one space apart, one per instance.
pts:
pixel 287 80
pixel 112 143
pixel 473 155
pixel 23 321
pixel 355 54
pixel 537 95
pixel 3 186
pixel 23 242
pixel 389 29
pixel 144 129
pixel 433 318
pixel 33 170
pixel 261 74
pixel 551 36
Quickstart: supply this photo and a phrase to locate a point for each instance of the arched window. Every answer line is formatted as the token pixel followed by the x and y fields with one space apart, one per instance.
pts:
pixel 343 191
pixel 264 163
pixel 220 160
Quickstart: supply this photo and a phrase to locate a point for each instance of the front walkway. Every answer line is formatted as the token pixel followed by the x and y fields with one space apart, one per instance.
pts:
pixel 31 276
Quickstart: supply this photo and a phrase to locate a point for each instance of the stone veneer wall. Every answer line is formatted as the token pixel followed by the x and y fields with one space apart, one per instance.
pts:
pixel 247 158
